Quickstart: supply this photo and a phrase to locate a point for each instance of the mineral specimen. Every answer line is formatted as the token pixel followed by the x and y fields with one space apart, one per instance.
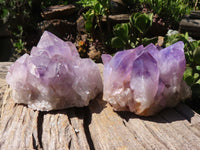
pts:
pixel 53 76
pixel 145 80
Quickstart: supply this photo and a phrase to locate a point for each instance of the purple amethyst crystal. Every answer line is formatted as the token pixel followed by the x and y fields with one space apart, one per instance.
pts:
pixel 53 76
pixel 145 80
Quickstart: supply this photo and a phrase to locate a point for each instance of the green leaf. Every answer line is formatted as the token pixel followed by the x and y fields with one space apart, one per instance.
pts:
pixel 87 3
pixel 146 41
pixel 104 3
pixel 142 23
pixel 196 55
pixel 196 75
pixel 89 16
pixel 150 17
pixel 5 15
pixel 116 42
pixel 188 72
pixel 98 9
pixel 187 76
pixel 198 81
pixel 194 44
pixel 88 26
pixel 133 18
pixel 122 31
pixel 198 68
pixel 65 3
pixel 186 35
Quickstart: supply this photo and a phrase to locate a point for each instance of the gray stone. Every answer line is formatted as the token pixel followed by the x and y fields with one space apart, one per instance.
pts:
pixel 94 54
pixel 58 11
pixel 81 24
pixel 117 7
pixel 195 14
pixel 121 18
pixel 192 26
pixel 58 26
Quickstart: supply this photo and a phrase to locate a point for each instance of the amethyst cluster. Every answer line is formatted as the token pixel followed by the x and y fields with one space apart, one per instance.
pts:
pixel 145 80
pixel 53 76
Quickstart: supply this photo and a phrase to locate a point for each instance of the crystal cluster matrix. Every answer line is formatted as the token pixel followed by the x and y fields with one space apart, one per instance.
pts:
pixel 145 80
pixel 54 76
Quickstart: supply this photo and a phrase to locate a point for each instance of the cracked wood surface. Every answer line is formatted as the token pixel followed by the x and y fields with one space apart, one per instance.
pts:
pixel 96 127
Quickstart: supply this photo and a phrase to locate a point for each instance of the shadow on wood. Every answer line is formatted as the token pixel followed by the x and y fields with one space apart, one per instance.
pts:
pixel 166 116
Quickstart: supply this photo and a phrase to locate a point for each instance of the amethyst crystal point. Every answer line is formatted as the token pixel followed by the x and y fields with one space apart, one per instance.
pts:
pixel 145 80
pixel 54 76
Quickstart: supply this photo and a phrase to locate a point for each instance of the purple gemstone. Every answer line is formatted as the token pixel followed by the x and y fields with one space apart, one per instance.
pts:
pixel 54 76
pixel 145 80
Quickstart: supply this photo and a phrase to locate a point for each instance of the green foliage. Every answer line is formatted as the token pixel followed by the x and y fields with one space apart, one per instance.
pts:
pixel 89 19
pixel 146 41
pixel 16 14
pixel 4 14
pixel 131 34
pixel 87 3
pixel 171 11
pixel 13 8
pixel 122 38
pixel 18 43
pixel 196 55
pixel 192 54
pixel 19 46
pixel 141 22
pixel 47 3
pixel 21 18
pixel 97 8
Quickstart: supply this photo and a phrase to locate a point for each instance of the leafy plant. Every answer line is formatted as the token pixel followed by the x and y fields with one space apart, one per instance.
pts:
pixel 19 46
pixel 16 15
pixel 171 11
pixel 47 3
pixel 191 48
pixel 122 38
pixel 131 34
pixel 192 72
pixel 4 12
pixel 97 8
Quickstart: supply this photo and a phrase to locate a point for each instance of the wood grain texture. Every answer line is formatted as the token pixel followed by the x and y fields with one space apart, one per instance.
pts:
pixel 18 129
pixel 96 127
pixel 3 71
pixel 23 128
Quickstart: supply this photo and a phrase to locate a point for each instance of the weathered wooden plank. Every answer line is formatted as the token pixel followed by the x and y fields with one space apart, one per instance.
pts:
pixel 190 25
pixel 23 128
pixel 64 129
pixel 96 127
pixel 18 129
pixel 138 127
pixel 179 124
pixel 167 130
pixel 108 130
pixel 3 71
pixel 3 86
pixel 193 118
pixel 162 132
